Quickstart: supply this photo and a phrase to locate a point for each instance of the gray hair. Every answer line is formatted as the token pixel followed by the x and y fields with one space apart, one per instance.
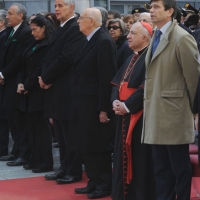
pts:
pixel 3 14
pixel 20 9
pixel 68 2
pixel 121 24
pixel 104 14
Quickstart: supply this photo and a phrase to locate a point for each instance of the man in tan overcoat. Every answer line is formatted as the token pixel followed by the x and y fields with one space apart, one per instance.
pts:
pixel 171 80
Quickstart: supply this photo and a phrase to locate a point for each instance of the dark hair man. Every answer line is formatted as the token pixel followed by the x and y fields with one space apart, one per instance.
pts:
pixel 171 80
pixel 18 37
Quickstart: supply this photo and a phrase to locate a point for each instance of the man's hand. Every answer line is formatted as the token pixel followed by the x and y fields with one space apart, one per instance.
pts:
pixel 42 84
pixel 103 117
pixel 119 108
pixel 20 89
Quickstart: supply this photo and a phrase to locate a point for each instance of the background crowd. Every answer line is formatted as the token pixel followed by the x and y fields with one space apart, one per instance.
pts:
pixel 56 71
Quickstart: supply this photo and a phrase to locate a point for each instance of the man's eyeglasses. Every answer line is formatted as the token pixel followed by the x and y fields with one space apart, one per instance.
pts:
pixel 113 27
pixel 81 17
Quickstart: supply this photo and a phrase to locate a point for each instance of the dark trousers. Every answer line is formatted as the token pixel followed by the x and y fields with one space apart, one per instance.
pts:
pixel 4 137
pixel 70 161
pixel 40 142
pixel 17 120
pixel 98 169
pixel 172 171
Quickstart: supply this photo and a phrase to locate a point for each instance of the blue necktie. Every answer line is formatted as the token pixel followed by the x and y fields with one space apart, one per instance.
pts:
pixel 156 41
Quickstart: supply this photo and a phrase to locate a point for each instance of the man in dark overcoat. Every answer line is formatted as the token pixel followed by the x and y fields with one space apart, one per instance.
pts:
pixel 56 73
pixel 4 128
pixel 17 38
pixel 92 121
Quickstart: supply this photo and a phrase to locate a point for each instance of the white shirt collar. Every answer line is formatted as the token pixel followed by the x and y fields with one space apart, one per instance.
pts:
pixel 16 27
pixel 93 32
pixel 164 28
pixel 2 30
pixel 66 21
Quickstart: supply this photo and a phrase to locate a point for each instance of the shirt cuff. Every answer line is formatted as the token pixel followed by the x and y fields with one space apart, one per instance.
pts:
pixel 127 110
pixel 1 75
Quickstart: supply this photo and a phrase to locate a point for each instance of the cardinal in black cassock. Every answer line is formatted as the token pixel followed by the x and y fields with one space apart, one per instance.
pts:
pixel 133 176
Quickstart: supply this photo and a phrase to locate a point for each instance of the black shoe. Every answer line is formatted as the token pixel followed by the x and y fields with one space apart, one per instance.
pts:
pixel 58 174
pixel 69 179
pixel 84 190
pixel 28 167
pixel 98 194
pixel 8 157
pixel 41 170
pixel 17 162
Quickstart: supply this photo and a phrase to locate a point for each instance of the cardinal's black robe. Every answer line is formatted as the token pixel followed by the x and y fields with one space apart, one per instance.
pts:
pixel 142 185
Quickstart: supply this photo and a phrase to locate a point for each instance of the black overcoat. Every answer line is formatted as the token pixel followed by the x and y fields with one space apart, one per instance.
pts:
pixel 94 68
pixel 3 112
pixel 33 59
pixel 60 58
pixel 12 63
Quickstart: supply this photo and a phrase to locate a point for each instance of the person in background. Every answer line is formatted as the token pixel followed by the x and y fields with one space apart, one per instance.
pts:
pixel 104 15
pixel 112 14
pixel 129 21
pixel 38 127
pixel 133 175
pixel 118 31
pixel 53 17
pixel 137 11
pixel 145 17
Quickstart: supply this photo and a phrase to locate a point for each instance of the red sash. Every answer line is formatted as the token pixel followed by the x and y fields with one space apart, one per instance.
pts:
pixel 124 93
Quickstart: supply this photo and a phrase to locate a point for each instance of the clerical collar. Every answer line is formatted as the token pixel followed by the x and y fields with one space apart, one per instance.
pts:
pixel 141 51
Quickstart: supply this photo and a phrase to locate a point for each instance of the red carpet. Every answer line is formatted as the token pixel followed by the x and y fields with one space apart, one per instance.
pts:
pixel 38 188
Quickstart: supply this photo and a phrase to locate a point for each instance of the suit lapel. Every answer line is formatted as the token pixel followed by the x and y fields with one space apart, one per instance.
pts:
pixel 62 30
pixel 89 45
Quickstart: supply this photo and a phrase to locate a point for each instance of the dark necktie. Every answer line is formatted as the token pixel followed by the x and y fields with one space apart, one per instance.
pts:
pixel 156 41
pixel 10 35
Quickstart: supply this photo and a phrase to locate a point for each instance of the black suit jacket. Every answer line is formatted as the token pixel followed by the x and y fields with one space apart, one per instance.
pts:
pixel 12 63
pixel 93 71
pixel 58 63
pixel 33 59
pixel 3 112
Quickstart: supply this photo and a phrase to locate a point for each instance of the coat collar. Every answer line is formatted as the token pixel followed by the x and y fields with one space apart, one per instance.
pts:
pixel 162 44
pixel 15 34
pixel 44 42
pixel 89 44
pixel 62 31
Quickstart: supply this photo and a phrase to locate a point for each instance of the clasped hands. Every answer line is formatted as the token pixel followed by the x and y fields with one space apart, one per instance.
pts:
pixel 42 84
pixel 119 108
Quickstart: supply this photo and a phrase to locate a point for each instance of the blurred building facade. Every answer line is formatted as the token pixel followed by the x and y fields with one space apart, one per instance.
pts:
pixel 123 6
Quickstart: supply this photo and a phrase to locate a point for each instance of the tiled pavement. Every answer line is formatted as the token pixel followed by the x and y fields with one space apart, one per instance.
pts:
pixel 9 172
